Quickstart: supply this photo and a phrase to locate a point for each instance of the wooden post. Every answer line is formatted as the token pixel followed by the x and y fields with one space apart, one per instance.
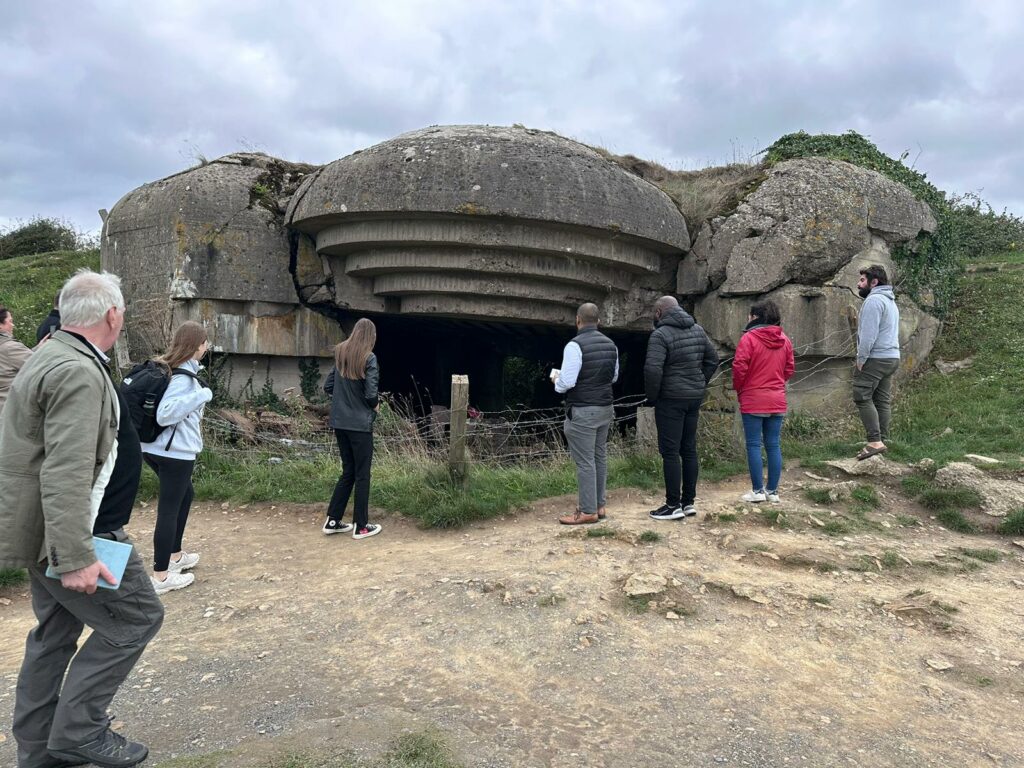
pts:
pixel 458 465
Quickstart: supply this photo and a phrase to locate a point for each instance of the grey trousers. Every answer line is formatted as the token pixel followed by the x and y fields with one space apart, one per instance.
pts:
pixel 123 620
pixel 587 433
pixel 872 392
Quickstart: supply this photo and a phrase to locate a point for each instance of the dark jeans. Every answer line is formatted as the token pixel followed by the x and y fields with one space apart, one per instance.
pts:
pixel 872 392
pixel 764 430
pixel 50 714
pixel 173 507
pixel 356 450
pixel 677 443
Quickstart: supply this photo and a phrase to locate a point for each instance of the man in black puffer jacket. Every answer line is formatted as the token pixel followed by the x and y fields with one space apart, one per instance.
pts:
pixel 680 362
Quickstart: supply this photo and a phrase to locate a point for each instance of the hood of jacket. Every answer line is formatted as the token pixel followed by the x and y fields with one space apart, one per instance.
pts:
pixel 885 291
pixel 769 336
pixel 678 317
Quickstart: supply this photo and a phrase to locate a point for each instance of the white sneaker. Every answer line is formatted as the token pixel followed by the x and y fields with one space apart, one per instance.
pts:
pixel 332 526
pixel 754 497
pixel 369 530
pixel 172 582
pixel 773 497
pixel 188 560
pixel 689 511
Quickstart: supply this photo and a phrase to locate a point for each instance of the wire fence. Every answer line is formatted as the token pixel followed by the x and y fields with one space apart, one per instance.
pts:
pixel 497 437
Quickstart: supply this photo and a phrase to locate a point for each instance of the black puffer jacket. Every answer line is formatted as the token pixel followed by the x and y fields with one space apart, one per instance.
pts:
pixel 353 400
pixel 680 358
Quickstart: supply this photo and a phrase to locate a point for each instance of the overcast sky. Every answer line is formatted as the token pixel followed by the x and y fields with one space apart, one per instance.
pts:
pixel 97 98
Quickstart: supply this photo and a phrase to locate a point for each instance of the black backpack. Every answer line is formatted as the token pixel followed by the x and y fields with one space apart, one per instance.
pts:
pixel 143 388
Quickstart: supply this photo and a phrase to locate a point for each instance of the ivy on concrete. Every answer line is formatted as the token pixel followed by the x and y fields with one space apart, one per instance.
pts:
pixel 968 228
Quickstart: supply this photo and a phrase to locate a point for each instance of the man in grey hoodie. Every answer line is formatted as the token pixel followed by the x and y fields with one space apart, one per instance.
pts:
pixel 878 357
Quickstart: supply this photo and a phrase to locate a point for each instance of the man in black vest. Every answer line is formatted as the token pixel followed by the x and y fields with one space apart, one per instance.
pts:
pixel 590 365
pixel 680 362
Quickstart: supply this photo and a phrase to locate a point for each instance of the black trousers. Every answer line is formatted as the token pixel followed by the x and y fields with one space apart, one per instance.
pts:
pixel 356 450
pixel 677 443
pixel 173 507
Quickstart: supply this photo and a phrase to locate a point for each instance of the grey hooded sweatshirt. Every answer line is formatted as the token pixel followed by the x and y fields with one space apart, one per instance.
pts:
pixel 878 328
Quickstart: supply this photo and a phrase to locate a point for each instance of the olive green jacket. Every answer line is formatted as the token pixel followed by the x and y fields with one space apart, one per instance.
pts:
pixel 56 432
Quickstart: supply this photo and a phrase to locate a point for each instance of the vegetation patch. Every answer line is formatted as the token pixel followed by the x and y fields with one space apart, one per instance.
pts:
pixel 600 533
pixel 985 555
pixel 12 577
pixel 650 537
pixel 29 284
pixel 819 495
pixel 867 496
pixel 1012 524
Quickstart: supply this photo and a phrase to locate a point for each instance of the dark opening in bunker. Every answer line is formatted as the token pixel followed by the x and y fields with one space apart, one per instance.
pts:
pixel 507 363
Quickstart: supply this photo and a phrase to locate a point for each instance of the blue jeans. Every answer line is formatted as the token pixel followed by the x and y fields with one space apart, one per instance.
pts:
pixel 766 430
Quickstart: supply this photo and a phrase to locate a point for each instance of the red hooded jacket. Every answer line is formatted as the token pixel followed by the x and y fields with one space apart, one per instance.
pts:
pixel 762 366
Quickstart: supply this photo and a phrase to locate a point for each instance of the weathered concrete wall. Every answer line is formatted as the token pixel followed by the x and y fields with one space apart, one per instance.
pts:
pixel 501 224
pixel 208 243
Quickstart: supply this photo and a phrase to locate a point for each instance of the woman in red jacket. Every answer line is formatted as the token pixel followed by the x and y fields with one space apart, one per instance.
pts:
pixel 762 366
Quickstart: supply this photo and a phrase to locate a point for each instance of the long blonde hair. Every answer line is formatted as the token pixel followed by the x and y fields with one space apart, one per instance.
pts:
pixel 188 337
pixel 350 356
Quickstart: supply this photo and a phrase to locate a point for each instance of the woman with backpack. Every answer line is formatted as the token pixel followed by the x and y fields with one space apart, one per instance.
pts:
pixel 762 366
pixel 352 385
pixel 172 455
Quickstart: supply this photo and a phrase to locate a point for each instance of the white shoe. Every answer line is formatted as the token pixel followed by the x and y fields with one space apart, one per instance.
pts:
pixel 188 560
pixel 172 582
pixel 754 497
pixel 689 511
pixel 774 497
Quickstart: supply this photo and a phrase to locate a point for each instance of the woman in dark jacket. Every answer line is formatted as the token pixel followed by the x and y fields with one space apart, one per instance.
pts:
pixel 352 385
pixel 762 366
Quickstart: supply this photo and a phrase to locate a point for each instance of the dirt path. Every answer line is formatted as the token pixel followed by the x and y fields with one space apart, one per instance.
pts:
pixel 514 639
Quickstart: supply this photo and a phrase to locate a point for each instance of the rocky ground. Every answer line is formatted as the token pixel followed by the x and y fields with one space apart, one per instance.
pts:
pixel 824 634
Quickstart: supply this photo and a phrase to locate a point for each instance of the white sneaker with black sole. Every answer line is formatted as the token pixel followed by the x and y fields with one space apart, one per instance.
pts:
pixel 366 532
pixel 754 497
pixel 689 511
pixel 332 526
pixel 172 582
pixel 773 497
pixel 667 512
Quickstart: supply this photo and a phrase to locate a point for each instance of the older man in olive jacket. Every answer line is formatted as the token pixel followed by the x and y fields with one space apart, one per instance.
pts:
pixel 58 442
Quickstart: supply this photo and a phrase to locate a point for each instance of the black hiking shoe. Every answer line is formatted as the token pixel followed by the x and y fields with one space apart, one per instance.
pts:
pixel 109 750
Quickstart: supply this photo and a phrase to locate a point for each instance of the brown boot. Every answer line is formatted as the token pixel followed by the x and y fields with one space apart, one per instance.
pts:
pixel 579 518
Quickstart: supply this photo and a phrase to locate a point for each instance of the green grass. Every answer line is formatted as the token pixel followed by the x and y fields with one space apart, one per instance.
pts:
pixel 820 599
pixel 727 517
pixel 954 520
pixel 12 577
pixel 985 555
pixel 818 495
pixel 1012 524
pixel 418 750
pixel 28 283
pixel 891 559
pixel 649 537
pixel 867 496
pixel 837 527
pixel 600 533
pixel 916 484
pixel 773 517
pixel 907 521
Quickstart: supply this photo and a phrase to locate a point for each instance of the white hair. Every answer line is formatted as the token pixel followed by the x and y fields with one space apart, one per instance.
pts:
pixel 87 296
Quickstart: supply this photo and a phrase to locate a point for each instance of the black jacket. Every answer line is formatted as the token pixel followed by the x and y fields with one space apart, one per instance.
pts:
pixel 594 383
pixel 680 359
pixel 353 400
pixel 49 325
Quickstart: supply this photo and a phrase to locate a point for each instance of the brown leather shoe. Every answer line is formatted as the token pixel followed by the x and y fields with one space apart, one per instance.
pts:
pixel 579 518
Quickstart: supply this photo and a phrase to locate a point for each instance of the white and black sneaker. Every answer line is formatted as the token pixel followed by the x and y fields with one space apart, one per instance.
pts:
pixel 332 526
pixel 689 511
pixel 666 512
pixel 367 530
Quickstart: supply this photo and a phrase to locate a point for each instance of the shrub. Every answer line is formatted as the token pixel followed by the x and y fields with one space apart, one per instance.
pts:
pixel 41 235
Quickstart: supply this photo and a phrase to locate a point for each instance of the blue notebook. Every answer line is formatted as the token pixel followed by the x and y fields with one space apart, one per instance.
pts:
pixel 113 554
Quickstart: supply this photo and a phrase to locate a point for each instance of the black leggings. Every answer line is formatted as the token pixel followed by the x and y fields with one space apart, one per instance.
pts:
pixel 172 510
pixel 356 450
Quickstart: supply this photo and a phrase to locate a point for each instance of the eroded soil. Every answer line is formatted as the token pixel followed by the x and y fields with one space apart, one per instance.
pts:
pixel 514 639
